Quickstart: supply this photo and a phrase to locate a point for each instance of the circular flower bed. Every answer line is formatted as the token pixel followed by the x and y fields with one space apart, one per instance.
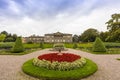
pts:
pixel 59 66
pixel 59 61
pixel 60 57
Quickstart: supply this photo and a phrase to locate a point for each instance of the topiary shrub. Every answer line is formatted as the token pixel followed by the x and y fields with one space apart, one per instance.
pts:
pixel 42 45
pixel 75 46
pixel 98 46
pixel 18 47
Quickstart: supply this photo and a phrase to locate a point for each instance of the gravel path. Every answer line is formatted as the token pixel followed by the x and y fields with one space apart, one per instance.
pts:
pixel 108 66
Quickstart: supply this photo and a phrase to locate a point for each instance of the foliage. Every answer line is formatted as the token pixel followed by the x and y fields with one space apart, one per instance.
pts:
pixel 8 52
pixel 6 45
pixel 39 72
pixel 62 66
pixel 68 45
pixel 58 46
pixel 2 37
pixel 98 46
pixel 112 45
pixel 89 35
pixel 30 46
pixel 75 46
pixel 75 38
pixel 42 45
pixel 9 37
pixel 18 47
pixel 104 36
pixel 113 25
pixel 48 45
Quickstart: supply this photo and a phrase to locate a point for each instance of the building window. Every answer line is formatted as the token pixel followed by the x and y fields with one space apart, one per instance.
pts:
pixel 52 40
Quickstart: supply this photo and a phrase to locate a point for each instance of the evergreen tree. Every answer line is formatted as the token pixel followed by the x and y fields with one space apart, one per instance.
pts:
pixel 42 45
pixel 98 46
pixel 18 47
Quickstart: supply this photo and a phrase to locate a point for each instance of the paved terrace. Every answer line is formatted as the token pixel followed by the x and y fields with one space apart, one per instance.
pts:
pixel 108 66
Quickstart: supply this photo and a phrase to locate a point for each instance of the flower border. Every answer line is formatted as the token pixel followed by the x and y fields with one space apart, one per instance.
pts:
pixel 61 66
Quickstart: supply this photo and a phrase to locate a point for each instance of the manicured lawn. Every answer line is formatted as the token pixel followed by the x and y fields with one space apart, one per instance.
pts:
pixel 68 45
pixel 5 48
pixel 39 72
pixel 112 48
pixel 27 51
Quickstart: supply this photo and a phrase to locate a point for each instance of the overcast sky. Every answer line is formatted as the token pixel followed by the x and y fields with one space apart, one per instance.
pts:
pixel 27 17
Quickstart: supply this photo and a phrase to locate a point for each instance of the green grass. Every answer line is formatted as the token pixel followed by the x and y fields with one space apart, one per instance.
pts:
pixel 46 74
pixel 6 45
pixel 27 51
pixel 31 46
pixel 68 45
pixel 37 45
pixel 118 59
pixel 48 45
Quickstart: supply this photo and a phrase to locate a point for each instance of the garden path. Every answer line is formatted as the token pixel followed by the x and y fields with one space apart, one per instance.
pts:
pixel 108 66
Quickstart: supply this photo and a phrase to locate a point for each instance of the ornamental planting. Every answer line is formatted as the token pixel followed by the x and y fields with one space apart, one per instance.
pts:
pixel 59 61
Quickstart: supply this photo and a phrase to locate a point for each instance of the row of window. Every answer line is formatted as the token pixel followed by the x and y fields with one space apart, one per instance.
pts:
pixel 58 41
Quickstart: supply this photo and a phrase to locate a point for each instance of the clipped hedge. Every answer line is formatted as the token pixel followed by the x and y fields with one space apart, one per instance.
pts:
pixel 6 45
pixel 18 47
pixel 99 46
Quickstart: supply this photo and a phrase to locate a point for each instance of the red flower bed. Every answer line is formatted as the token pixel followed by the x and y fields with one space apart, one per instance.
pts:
pixel 60 57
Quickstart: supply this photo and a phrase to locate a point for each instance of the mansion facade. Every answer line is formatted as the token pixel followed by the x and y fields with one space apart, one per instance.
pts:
pixel 57 37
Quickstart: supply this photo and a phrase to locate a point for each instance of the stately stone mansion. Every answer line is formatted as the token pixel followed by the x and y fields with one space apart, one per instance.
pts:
pixel 57 37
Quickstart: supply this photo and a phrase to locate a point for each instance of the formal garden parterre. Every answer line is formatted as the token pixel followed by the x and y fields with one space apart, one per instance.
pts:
pixel 57 66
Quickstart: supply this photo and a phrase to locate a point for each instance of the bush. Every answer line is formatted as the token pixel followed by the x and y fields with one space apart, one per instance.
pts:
pixel 18 47
pixel 61 66
pixel 98 46
pixel 6 45
pixel 58 47
pixel 42 45
pixel 75 46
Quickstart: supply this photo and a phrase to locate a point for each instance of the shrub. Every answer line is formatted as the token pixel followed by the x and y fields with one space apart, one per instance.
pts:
pixel 61 66
pixel 98 46
pixel 18 47
pixel 75 46
pixel 6 45
pixel 42 45
pixel 58 47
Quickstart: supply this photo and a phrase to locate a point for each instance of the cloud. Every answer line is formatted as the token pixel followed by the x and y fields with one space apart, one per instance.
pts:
pixel 27 17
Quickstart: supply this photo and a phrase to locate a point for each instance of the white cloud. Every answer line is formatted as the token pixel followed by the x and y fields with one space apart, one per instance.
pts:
pixel 75 22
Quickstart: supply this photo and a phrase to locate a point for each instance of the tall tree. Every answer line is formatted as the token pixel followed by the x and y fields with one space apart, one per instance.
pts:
pixel 2 37
pixel 104 35
pixel 113 25
pixel 75 38
pixel 89 35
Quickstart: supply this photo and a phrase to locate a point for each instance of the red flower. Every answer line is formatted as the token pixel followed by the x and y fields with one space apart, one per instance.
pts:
pixel 60 57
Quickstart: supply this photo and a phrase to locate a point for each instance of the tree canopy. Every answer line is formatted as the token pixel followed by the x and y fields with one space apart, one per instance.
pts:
pixel 89 35
pixel 113 25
